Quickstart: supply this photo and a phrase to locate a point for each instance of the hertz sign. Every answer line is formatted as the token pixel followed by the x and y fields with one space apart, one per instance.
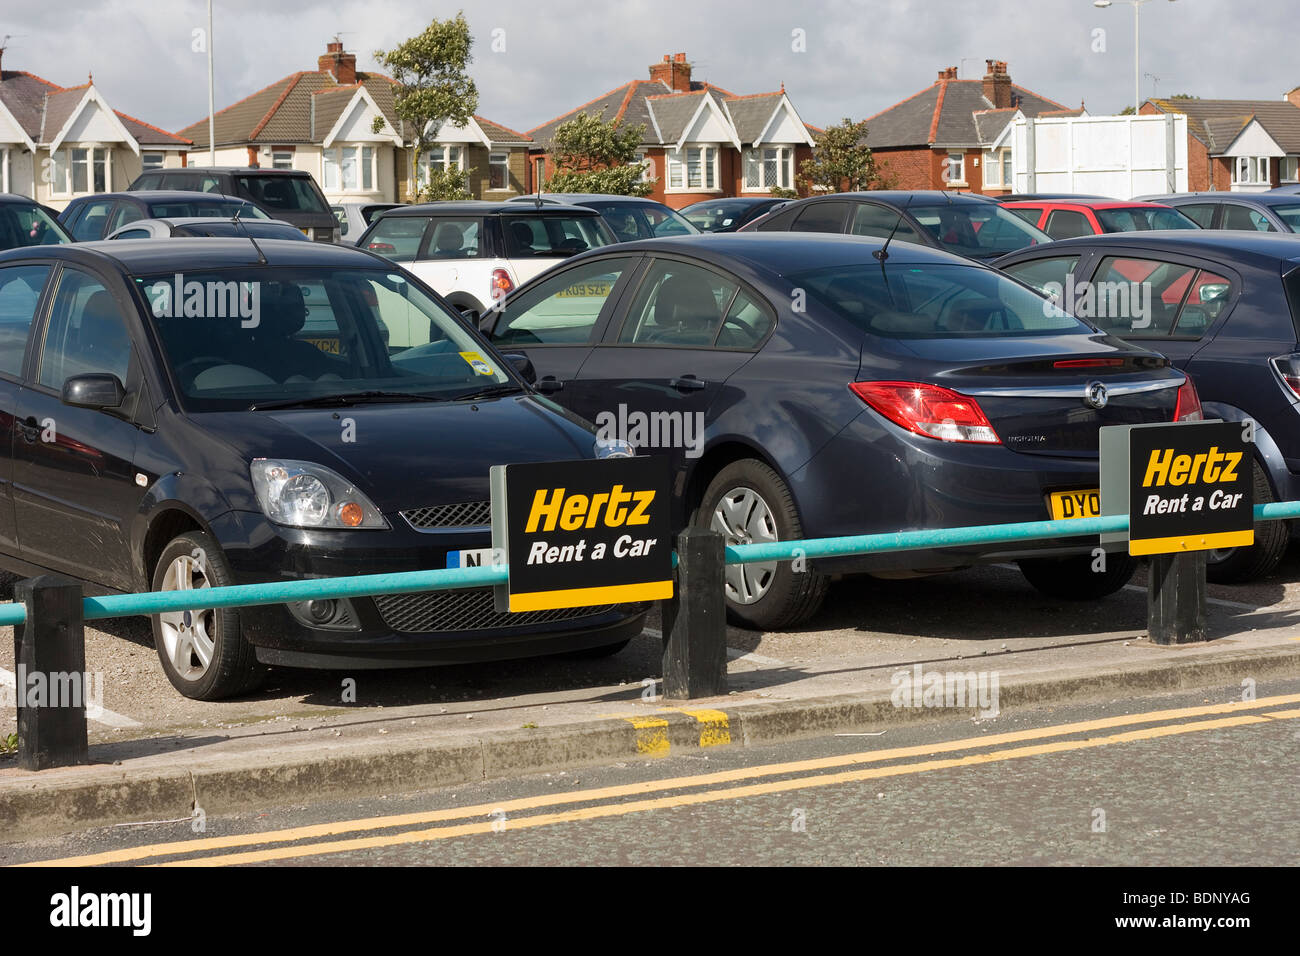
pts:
pixel 583 533
pixel 1189 486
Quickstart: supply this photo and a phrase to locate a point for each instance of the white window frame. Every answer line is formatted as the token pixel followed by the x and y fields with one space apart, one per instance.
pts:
pixel 147 164
pixel 500 158
pixel 334 164
pixel 279 156
pixel 64 172
pixel 947 159
pixel 1256 168
pixel 647 167
pixel 679 169
pixel 756 157
pixel 995 163
pixel 1289 169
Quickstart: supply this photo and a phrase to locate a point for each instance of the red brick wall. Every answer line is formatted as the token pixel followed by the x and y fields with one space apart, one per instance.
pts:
pixel 909 168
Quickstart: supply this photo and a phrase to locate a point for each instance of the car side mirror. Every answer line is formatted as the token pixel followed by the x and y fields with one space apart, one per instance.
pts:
pixel 523 365
pixel 93 390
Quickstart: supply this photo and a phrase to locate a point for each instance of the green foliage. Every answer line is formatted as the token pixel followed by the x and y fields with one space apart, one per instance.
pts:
pixel 592 156
pixel 377 124
pixel 9 744
pixel 841 161
pixel 1127 111
pixel 780 192
pixel 1184 96
pixel 437 184
pixel 433 88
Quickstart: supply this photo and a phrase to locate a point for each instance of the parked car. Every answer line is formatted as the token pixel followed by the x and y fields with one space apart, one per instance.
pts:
pixel 1224 307
pixel 968 225
pixel 94 217
pixel 728 215
pixel 1242 212
pixel 197 451
pixel 24 222
pixel 208 226
pixel 630 217
pixel 1286 189
pixel 288 194
pixel 354 217
pixel 1064 197
pixel 839 387
pixel 1065 219
pixel 472 253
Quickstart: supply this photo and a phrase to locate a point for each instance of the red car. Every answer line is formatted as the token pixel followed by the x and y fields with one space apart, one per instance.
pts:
pixel 1062 219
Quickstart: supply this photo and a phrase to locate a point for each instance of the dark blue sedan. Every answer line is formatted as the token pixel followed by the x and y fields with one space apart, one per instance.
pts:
pixel 823 385
pixel 1225 307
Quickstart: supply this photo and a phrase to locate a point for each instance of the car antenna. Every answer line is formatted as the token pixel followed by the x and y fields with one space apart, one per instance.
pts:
pixel 239 224
pixel 883 252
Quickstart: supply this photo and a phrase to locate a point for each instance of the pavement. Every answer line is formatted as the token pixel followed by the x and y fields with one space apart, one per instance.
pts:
pixel 158 756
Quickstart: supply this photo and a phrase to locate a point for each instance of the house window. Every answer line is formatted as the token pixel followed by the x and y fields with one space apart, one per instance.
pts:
pixel 647 167
pixel 498 171
pixel 954 169
pixel 768 167
pixel 77 171
pixel 1251 171
pixel 1289 169
pixel 150 161
pixel 997 168
pixel 695 167
pixel 282 159
pixel 347 168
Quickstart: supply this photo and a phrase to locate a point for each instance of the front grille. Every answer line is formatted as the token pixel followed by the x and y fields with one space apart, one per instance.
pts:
pixel 468 609
pixel 468 514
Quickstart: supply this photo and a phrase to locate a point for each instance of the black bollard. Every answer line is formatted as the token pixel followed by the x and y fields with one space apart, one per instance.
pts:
pixel 1176 598
pixel 50 659
pixel 695 620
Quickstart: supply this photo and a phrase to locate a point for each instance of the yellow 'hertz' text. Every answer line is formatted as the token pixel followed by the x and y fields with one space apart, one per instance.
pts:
pixel 617 508
pixel 1213 467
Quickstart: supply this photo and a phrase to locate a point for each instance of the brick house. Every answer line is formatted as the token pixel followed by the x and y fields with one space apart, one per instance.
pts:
pixel 701 141
pixel 1238 145
pixel 955 134
pixel 57 142
pixel 323 121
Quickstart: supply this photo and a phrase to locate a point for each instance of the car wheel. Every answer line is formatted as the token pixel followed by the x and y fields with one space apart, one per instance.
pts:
pixel 203 652
pixel 748 503
pixel 1074 579
pixel 1238 565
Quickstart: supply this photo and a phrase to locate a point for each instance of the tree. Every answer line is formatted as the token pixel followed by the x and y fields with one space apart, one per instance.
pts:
pixel 433 89
pixel 592 156
pixel 842 161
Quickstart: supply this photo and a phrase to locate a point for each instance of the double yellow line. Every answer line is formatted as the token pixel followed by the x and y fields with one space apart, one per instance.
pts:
pixel 706 788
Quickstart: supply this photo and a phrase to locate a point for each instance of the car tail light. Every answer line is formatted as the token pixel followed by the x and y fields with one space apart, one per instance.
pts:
pixel 929 410
pixel 1288 369
pixel 381 247
pixel 1188 408
pixel 1088 363
pixel 501 284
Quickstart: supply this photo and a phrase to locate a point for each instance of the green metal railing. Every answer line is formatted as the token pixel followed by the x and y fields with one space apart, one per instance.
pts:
pixel 402 582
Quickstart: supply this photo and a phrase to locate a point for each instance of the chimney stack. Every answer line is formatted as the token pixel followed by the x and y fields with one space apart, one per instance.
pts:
pixel 674 71
pixel 997 84
pixel 948 74
pixel 342 66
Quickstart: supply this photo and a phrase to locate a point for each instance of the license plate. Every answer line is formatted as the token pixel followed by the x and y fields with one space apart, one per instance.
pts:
pixel 585 290
pixel 329 346
pixel 1075 504
pixel 470 558
pixel 306 232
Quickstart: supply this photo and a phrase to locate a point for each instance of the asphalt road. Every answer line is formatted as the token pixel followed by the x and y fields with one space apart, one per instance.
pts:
pixel 1188 779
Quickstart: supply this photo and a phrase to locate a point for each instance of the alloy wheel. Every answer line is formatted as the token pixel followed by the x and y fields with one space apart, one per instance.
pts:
pixel 189 637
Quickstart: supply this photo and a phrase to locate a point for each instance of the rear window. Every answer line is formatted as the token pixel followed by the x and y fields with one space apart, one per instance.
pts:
pixel 217 209
pixel 282 193
pixel 1140 218
pixel 982 230
pixel 934 301
pixel 1289 215
pixel 630 220
pixel 22 225
pixel 397 237
pixel 1141 298
pixel 551 236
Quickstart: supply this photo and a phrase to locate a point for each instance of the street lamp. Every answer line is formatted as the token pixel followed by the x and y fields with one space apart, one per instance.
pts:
pixel 1137 70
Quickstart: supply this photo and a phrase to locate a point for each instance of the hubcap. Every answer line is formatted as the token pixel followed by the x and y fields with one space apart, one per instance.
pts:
pixel 189 637
pixel 743 517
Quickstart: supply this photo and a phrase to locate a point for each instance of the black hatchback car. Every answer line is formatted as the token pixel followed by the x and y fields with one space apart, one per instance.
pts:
pixel 967 225
pixel 1239 212
pixel 812 386
pixel 729 214
pixel 24 222
pixel 202 413
pixel 93 217
pixel 1225 307
pixel 288 194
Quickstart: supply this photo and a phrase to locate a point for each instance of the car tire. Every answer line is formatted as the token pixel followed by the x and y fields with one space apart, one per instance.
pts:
pixel 185 638
pixel 1073 578
pixel 1238 565
pixel 748 502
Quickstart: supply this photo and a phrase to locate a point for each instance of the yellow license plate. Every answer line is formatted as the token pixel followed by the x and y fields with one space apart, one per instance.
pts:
pixel 583 290
pixel 1085 503
pixel 330 346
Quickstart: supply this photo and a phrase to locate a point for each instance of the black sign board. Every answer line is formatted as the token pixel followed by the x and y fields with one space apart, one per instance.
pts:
pixel 1189 486
pixel 583 533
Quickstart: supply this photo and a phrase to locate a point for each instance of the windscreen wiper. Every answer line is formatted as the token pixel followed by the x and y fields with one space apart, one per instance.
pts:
pixel 346 398
pixel 487 391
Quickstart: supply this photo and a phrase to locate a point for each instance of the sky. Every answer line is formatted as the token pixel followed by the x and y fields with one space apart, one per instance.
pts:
pixel 535 60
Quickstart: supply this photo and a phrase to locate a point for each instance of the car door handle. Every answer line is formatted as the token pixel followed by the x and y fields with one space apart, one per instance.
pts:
pixel 548 385
pixel 688 383
pixel 30 428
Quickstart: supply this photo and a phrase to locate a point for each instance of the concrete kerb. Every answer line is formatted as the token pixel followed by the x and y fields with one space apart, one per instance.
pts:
pixel 78 798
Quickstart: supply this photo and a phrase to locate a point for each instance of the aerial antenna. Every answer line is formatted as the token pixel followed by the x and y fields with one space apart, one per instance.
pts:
pixel 239 224
pixel 883 252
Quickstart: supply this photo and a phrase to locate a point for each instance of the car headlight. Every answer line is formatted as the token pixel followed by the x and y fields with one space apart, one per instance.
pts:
pixel 613 448
pixel 303 495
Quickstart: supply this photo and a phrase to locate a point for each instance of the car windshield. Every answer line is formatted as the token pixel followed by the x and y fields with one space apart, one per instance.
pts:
pixel 1289 215
pixel 1138 218
pixel 266 335
pixel 980 229
pixel 28 225
pixel 633 220
pixel 216 208
pixel 716 216
pixel 933 301
pixel 281 193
